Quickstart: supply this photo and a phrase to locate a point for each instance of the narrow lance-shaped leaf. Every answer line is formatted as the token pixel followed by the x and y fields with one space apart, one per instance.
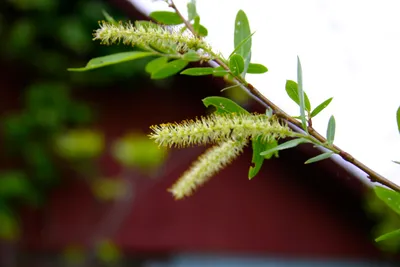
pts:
pixel 166 17
pixel 286 145
pixel 301 95
pixel 392 234
pixel 321 107
pixel 293 92
pixel 223 105
pixel 198 71
pixel 112 59
pixel 319 157
pixel 242 32
pixel 169 69
pixel 330 133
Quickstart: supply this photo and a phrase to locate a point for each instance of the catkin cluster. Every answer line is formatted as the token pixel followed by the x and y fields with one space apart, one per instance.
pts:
pixel 230 133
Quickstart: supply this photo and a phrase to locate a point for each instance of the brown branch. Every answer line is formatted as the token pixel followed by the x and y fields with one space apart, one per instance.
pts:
pixel 256 94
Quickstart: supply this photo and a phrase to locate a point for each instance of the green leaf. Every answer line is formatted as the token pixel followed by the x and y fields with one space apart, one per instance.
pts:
pixel 223 105
pixel 395 161
pixel 108 17
pixel 198 71
pixel 202 31
pixel 166 17
pixel 398 119
pixel 242 32
pixel 239 46
pixel 246 65
pixel 286 145
pixel 392 234
pixel 156 64
pixel 198 28
pixel 258 146
pixel 293 92
pixel 169 69
pixel 255 68
pixel 236 64
pixel 320 107
pixel 301 95
pixel 390 197
pixel 319 157
pixel 196 23
pixel 258 159
pixel 270 145
pixel 330 133
pixel 192 12
pixel 191 56
pixel 219 72
pixel 112 59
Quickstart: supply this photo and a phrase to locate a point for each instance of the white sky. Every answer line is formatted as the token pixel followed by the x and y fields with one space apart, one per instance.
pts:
pixel 348 49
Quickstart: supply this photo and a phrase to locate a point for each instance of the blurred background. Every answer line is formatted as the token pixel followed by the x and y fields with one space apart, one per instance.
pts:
pixel 59 127
pixel 82 185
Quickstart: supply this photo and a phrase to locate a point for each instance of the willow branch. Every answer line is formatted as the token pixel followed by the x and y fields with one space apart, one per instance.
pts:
pixel 256 94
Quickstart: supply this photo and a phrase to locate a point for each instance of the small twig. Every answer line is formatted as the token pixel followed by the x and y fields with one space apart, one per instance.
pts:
pixel 256 94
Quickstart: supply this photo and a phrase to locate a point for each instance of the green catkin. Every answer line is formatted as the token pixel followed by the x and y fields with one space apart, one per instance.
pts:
pixel 150 35
pixel 218 128
pixel 207 165
pixel 230 133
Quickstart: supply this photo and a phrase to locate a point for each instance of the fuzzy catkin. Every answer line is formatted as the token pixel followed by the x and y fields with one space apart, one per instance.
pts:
pixel 218 128
pixel 151 35
pixel 207 165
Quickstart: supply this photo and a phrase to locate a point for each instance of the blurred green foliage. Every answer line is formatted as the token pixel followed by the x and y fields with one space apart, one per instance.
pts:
pixel 79 144
pixel 43 38
pixel 136 150
pixel 51 35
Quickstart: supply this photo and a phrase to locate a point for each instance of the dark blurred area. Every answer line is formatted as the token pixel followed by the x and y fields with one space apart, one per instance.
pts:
pixel 50 127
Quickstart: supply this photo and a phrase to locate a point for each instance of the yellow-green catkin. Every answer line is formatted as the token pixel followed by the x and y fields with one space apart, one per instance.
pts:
pixel 207 165
pixel 149 35
pixel 218 128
